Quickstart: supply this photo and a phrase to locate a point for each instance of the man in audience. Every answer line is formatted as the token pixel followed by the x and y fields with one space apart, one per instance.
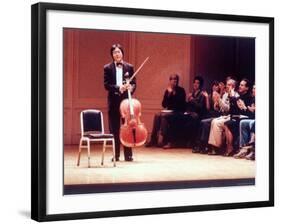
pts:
pixel 173 103
pixel 247 133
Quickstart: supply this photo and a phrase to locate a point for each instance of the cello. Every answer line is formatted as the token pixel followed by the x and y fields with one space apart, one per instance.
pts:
pixel 133 132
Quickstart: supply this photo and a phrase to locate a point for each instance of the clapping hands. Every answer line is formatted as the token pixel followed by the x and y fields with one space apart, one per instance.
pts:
pixel 216 97
pixel 252 108
pixel 205 94
pixel 241 104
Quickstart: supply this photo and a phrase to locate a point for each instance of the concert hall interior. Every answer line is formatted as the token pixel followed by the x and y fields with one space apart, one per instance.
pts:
pixel 86 51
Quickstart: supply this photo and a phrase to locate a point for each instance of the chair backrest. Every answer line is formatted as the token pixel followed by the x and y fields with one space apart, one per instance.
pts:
pixel 91 121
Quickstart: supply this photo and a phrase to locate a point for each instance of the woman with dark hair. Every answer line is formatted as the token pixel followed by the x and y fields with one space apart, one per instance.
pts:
pixel 114 78
pixel 213 111
pixel 196 98
pixel 211 100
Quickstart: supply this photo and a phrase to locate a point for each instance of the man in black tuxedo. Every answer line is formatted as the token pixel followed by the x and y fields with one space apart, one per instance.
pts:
pixel 114 80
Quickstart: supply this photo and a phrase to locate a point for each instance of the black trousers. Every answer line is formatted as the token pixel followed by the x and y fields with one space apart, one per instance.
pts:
pixel 182 128
pixel 233 125
pixel 114 119
pixel 160 127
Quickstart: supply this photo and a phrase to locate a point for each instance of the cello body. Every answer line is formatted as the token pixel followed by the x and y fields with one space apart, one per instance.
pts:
pixel 133 132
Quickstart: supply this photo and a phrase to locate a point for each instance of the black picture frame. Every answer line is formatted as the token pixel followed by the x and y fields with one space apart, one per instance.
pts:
pixel 39 109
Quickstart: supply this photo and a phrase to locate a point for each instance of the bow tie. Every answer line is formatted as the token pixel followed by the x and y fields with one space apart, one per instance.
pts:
pixel 119 64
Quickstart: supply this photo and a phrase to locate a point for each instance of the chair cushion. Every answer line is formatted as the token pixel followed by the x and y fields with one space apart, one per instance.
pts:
pixel 98 136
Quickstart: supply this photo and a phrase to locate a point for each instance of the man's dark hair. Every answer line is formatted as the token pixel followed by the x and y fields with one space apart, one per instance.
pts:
pixel 116 46
pixel 248 83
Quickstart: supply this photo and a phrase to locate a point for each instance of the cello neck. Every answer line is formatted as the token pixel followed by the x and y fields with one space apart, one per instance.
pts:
pixel 130 100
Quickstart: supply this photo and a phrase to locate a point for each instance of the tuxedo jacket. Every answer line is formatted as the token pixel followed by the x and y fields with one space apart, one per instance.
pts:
pixel 114 96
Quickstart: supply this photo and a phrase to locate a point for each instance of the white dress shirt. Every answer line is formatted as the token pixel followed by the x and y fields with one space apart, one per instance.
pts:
pixel 119 75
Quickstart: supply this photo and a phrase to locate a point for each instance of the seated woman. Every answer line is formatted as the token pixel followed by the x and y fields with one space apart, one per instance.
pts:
pixel 217 125
pixel 213 111
pixel 174 103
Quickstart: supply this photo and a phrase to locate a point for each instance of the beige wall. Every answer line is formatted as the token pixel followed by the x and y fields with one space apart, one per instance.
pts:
pixel 85 53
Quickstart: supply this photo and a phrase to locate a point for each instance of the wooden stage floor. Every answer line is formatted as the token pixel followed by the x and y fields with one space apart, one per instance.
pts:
pixel 153 165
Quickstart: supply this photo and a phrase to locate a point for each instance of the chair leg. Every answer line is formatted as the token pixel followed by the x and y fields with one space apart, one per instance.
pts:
pixel 103 151
pixel 88 147
pixel 113 152
pixel 79 152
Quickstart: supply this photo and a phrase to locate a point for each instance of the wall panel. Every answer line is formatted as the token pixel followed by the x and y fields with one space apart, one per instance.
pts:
pixel 87 51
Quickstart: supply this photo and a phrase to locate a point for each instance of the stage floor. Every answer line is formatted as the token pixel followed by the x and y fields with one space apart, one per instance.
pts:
pixel 152 165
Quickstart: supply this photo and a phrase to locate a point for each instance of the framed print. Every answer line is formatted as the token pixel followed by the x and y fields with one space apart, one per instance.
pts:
pixel 140 111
